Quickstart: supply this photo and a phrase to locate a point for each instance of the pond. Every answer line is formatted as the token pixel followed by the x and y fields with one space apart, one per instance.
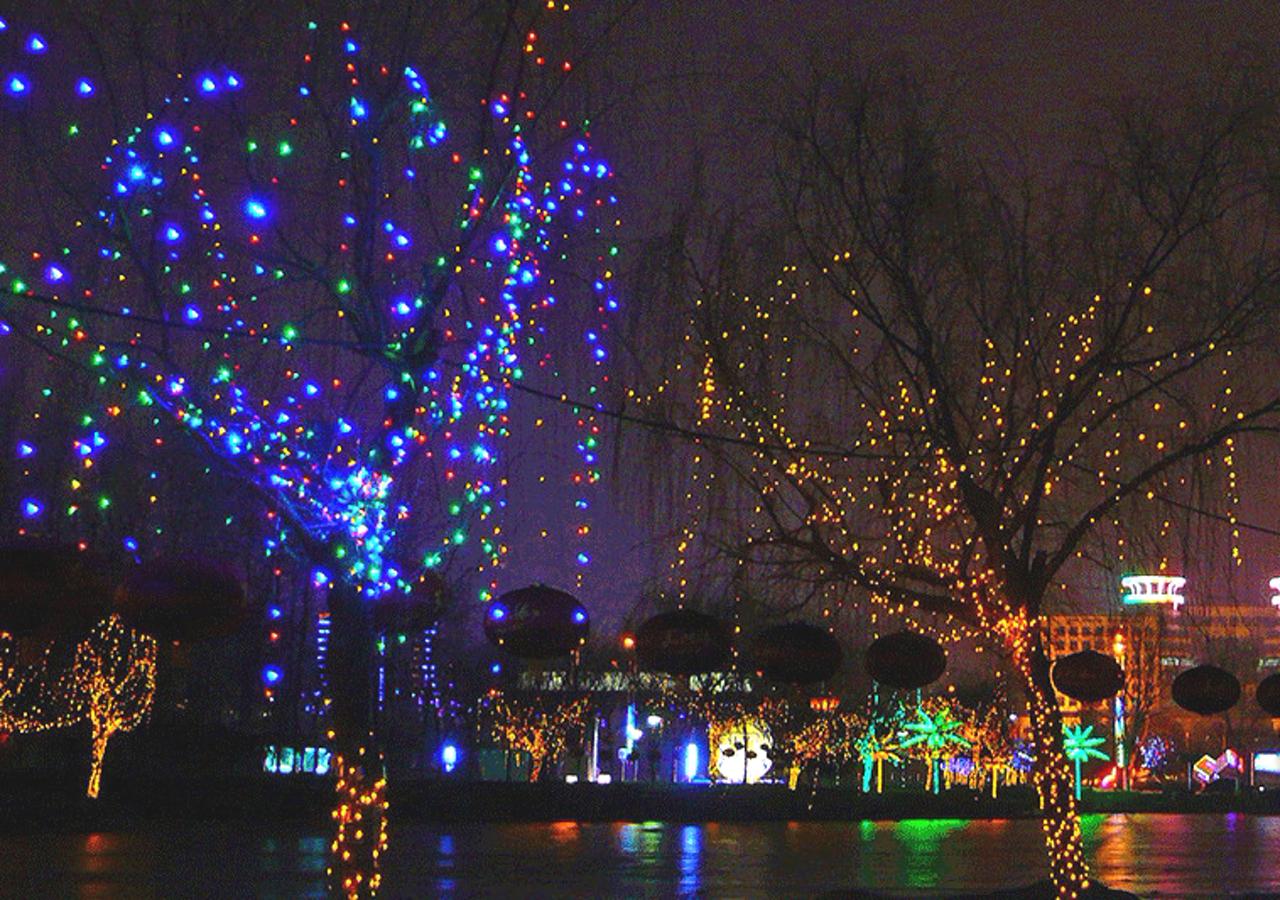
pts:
pixel 1182 855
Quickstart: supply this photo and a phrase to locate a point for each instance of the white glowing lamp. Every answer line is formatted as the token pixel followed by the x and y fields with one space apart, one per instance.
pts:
pixel 1147 589
pixel 1275 586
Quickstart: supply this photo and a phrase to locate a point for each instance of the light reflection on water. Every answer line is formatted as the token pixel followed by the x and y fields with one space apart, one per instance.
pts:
pixel 1210 856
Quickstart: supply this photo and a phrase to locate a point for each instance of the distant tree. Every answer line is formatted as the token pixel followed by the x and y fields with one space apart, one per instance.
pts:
pixel 114 682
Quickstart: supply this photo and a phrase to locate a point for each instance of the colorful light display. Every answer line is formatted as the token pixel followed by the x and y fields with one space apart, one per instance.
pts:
pixel 935 731
pixel 741 750
pixel 1081 745
pixel 265 281
pixel 1154 589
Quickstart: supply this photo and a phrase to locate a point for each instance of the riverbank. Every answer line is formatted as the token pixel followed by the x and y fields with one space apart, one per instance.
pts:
pixel 29 802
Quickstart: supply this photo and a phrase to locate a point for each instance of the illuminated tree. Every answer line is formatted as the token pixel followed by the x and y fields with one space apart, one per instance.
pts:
pixel 877 744
pixel 320 278
pixel 989 744
pixel 961 379
pixel 935 731
pixel 114 683
pixel 34 696
pixel 543 730
pixel 1081 745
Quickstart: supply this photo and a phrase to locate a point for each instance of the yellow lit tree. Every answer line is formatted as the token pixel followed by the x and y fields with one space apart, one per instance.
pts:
pixel 541 730
pixel 31 700
pixel 114 682
pixel 968 379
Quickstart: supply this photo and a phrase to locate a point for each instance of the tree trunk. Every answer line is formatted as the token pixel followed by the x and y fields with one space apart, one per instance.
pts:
pixel 1060 820
pixel 101 735
pixel 359 812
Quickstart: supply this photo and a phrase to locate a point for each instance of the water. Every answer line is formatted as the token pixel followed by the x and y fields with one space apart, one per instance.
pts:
pixel 1166 855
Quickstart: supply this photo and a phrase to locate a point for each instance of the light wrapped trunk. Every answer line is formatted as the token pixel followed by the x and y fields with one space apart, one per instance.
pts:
pixel 360 808
pixel 1055 788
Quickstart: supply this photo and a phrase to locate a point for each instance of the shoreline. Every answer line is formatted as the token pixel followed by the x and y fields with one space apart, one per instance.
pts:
pixel 27 803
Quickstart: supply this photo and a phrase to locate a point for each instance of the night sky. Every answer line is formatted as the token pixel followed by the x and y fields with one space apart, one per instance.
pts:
pixel 703 84
pixel 702 81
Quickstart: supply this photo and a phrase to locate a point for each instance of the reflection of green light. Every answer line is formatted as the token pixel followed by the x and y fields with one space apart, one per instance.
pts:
pixel 924 866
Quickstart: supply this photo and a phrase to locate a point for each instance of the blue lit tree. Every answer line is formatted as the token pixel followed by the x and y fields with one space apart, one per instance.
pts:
pixel 313 292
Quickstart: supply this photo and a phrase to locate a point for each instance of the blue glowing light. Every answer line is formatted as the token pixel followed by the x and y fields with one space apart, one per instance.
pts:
pixel 255 208
pixel 449 756
pixel 165 138
pixel 32 507
pixel 498 613
pixel 84 87
pixel 17 85
pixel 690 761
pixel 26 449
pixel 496 668
pixel 36 44
pixel 579 616
pixel 208 85
pixel 272 674
pixel 171 234
pixel 53 274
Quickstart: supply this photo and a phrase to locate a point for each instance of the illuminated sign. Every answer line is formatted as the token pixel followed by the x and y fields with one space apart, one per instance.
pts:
pixel 1267 761
pixel 296 760
pixel 1146 589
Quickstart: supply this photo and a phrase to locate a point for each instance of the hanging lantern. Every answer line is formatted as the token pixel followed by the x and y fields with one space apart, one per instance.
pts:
pixel 683 642
pixel 51 588
pixel 536 622
pixel 824 704
pixel 1206 690
pixel 414 610
pixel 797 653
pixel 906 660
pixel 178 599
pixel 1268 695
pixel 1088 676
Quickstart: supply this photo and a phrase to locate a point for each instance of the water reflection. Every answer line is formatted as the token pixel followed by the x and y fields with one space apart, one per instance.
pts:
pixel 690 859
pixel 1147 854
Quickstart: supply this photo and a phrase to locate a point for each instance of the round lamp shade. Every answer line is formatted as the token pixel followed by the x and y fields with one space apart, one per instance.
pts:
pixel 797 653
pixel 1206 690
pixel 177 599
pixel 414 610
pixel 1088 676
pixel 536 622
pixel 51 588
pixel 683 642
pixel 1268 695
pixel 906 660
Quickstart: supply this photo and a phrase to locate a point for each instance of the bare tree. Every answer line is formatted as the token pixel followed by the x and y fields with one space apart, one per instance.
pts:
pixel 967 379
